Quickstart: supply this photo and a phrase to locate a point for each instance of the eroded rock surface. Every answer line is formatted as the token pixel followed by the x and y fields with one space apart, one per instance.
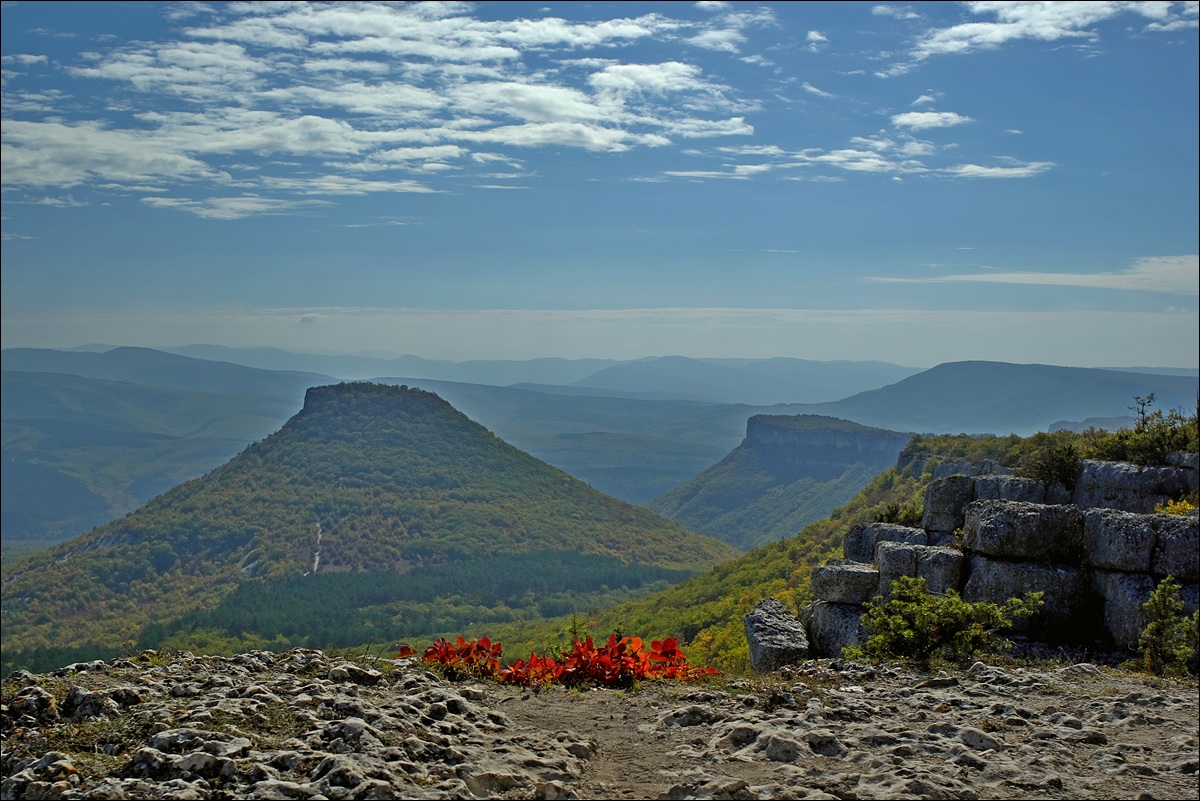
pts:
pixel 306 725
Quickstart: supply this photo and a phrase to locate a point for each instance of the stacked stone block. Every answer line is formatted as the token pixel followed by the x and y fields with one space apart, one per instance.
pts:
pixel 1096 554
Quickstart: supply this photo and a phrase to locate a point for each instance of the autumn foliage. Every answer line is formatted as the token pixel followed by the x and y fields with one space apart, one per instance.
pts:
pixel 619 663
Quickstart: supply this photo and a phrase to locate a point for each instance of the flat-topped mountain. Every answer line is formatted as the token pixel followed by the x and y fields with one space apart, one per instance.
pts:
pixel 788 471
pixel 375 507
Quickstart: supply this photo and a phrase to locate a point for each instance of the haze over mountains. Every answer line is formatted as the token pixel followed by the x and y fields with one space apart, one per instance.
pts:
pixel 89 435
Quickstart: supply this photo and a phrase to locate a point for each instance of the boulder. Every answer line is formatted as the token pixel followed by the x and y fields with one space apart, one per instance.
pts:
pixel 776 637
pixel 1116 540
pixel 1067 595
pixel 861 541
pixel 832 627
pixel 1031 531
pixel 845 582
pixel 946 500
pixel 1130 487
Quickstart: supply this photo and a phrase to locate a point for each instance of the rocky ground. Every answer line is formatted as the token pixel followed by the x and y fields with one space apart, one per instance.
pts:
pixel 307 725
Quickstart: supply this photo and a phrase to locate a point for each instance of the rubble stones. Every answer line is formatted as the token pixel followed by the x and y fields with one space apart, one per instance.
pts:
pixel 824 729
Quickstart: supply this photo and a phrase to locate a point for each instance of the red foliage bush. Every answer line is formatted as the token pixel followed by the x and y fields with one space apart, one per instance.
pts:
pixel 619 663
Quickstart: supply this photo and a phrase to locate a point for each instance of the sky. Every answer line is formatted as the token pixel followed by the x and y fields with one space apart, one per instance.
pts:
pixel 915 183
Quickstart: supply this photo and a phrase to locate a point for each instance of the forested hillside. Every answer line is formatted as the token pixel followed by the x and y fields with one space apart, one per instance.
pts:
pixel 369 482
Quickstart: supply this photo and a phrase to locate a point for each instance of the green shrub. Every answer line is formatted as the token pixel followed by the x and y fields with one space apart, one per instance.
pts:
pixel 1168 643
pixel 1055 459
pixel 908 514
pixel 926 627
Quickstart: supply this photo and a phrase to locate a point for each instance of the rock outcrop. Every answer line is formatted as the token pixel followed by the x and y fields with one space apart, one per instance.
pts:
pixel 1096 554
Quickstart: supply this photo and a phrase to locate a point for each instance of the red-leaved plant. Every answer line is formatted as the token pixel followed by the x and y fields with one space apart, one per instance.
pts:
pixel 619 663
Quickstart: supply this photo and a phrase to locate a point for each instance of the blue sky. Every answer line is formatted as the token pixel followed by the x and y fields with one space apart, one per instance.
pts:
pixel 916 183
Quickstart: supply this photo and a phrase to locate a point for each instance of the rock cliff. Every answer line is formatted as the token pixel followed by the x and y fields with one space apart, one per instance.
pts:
pixel 820 447
pixel 1096 553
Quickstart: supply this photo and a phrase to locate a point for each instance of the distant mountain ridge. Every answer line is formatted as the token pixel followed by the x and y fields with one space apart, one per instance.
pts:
pixel 367 480
pixel 786 473
pixel 161 369
pixel 1002 398
pixel 162 418
pixel 755 382
pixel 760 382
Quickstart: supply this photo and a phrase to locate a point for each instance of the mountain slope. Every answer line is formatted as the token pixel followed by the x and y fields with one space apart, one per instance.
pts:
pixel 367 482
pixel 786 473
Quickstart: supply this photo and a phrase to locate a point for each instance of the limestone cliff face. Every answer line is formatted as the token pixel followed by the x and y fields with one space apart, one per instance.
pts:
pixel 820 447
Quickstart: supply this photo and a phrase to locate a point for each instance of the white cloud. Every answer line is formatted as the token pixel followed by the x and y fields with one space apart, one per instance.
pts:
pixel 695 128
pixel 342 185
pixel 656 79
pixel 808 87
pixel 712 5
pixel 570 134
pixel 726 39
pixel 233 208
pixel 899 12
pixel 923 99
pixel 22 58
pixel 1169 274
pixel 1047 22
pixel 923 120
pixel 1019 171
pixel 52 154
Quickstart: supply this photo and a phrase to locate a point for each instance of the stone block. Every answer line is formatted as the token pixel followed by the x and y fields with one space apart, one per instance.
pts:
pixel 1129 487
pixel 1068 597
pixel 861 541
pixel 1116 540
pixel 940 567
pixel 776 637
pixel 1123 595
pixel 831 627
pixel 1177 547
pixel 1009 488
pixel 1027 531
pixel 845 583
pixel 946 500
